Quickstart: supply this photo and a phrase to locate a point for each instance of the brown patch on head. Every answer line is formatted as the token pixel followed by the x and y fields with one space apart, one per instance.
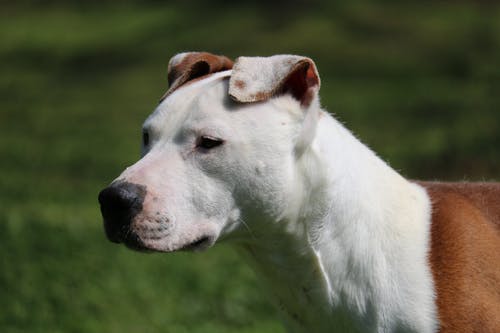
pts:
pixel 186 67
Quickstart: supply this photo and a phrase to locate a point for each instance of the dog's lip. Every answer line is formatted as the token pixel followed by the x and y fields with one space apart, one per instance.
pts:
pixel 135 242
pixel 199 244
pixel 202 243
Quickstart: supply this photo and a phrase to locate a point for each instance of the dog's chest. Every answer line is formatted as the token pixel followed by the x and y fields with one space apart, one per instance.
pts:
pixel 306 309
pixel 298 286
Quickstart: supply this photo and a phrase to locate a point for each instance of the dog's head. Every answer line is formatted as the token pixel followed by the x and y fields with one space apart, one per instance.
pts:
pixel 220 150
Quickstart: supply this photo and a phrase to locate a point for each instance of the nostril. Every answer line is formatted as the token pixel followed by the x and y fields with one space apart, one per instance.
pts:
pixel 122 196
pixel 117 198
pixel 120 202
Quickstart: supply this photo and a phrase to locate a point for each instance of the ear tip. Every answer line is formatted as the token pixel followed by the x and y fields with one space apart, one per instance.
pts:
pixel 176 59
pixel 181 56
pixel 239 96
pixel 312 76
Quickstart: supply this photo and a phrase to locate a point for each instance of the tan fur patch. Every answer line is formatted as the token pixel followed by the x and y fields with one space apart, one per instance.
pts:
pixel 187 67
pixel 240 84
pixel 465 255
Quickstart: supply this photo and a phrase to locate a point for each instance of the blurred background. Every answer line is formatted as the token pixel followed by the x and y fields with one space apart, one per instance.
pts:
pixel 417 81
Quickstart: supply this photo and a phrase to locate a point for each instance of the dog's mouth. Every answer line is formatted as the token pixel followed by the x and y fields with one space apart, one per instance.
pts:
pixel 200 244
pixel 136 243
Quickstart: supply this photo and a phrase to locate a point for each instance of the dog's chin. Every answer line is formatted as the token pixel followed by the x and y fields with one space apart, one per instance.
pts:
pixel 136 243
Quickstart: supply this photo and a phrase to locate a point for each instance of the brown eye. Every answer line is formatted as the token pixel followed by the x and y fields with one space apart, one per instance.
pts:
pixel 207 142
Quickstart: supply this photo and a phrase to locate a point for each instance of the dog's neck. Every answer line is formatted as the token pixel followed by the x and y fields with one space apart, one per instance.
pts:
pixel 353 253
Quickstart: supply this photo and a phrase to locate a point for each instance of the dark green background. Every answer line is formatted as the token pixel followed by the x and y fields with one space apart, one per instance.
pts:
pixel 418 82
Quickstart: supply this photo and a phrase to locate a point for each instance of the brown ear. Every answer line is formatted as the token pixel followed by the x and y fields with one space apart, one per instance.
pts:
pixel 187 66
pixel 255 79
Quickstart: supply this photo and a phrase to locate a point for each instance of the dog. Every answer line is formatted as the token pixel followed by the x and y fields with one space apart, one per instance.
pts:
pixel 243 151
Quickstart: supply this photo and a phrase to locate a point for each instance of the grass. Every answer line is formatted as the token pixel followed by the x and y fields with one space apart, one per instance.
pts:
pixel 418 82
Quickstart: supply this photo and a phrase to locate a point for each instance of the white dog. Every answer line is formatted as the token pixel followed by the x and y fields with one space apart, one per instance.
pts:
pixel 343 242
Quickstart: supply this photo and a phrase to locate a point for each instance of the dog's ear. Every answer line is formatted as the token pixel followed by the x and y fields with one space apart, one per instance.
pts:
pixel 255 79
pixel 187 66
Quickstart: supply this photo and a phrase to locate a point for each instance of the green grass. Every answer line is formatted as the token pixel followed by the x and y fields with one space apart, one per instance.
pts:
pixel 62 277
pixel 417 82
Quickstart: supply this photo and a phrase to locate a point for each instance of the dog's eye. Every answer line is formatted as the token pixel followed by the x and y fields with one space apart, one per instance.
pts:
pixel 145 138
pixel 208 142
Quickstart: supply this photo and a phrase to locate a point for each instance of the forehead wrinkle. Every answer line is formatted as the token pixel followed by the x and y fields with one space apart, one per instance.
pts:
pixel 169 114
pixel 181 106
pixel 189 99
pixel 196 85
pixel 211 99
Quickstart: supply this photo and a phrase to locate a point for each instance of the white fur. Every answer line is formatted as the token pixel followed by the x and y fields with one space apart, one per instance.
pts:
pixel 261 76
pixel 338 237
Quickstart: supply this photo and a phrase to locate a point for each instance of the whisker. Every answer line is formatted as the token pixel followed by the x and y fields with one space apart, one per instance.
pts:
pixel 248 228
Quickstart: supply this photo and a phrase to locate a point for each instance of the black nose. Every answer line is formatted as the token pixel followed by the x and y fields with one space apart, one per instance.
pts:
pixel 120 202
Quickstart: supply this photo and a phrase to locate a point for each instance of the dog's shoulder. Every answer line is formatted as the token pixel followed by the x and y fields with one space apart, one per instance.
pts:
pixel 465 241
pixel 482 198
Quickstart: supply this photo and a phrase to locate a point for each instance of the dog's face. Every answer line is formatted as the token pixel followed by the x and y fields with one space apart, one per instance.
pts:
pixel 208 163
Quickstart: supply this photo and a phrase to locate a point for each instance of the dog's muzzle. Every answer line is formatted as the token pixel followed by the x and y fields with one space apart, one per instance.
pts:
pixel 120 203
